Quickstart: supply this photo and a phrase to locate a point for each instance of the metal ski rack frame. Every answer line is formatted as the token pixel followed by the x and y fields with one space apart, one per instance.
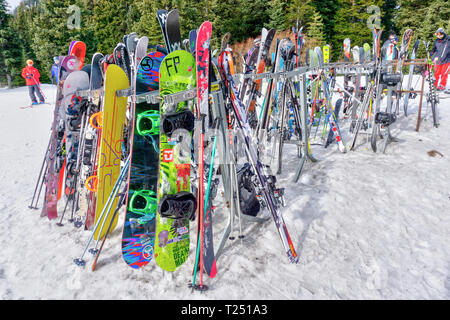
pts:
pixel 305 136
pixel 89 93
pixel 228 164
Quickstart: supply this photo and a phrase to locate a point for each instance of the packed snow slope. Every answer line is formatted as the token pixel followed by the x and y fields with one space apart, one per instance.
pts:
pixel 365 225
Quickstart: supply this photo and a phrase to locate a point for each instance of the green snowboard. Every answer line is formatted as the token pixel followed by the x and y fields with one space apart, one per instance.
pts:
pixel 177 73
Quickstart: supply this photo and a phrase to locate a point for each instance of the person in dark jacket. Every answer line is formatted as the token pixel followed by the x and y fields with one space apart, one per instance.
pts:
pixel 440 54
pixel 31 76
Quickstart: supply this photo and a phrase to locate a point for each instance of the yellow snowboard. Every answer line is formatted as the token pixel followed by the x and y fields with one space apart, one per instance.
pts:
pixel 114 109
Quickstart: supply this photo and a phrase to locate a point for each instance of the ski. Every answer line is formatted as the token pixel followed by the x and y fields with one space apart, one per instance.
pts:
pixel 239 112
pixel 203 56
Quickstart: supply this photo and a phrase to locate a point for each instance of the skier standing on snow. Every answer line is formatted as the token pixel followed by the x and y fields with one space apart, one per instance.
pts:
pixel 441 57
pixel 31 76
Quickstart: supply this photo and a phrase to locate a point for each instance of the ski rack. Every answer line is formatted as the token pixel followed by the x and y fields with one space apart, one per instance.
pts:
pixel 89 93
pixel 153 97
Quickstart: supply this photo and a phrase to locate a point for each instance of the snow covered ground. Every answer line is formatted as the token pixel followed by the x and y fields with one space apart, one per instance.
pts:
pixel 365 225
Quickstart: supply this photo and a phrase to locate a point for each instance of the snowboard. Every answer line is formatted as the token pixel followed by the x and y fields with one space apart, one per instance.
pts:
pixel 54 175
pixel 111 144
pixel 173 30
pixel 71 45
pixel 162 19
pixel 77 80
pixel 177 73
pixel 122 59
pixel 138 235
pixel 192 39
pixel 78 50
pixel 148 73
pixel 367 56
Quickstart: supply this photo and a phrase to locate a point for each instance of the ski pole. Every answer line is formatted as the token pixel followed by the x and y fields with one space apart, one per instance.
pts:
pixel 110 201
pixel 42 184
pixel 79 261
pixel 44 162
pixel 119 205
pixel 39 87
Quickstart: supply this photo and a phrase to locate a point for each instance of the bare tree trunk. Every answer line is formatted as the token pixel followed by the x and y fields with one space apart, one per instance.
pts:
pixel 9 79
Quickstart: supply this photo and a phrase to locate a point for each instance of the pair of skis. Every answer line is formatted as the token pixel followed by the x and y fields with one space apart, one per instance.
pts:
pixel 239 113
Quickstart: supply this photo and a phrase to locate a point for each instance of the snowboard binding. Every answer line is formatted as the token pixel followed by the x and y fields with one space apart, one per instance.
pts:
pixel 182 205
pixel 147 123
pixel 248 198
pixel 385 119
pixel 180 120
pixel 144 202
pixel 391 79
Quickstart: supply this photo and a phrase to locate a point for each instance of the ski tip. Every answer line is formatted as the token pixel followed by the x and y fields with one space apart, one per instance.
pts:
pixel 213 271
pixel 94 264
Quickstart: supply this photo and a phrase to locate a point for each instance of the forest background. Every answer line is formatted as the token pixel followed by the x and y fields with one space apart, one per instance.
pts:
pixel 40 30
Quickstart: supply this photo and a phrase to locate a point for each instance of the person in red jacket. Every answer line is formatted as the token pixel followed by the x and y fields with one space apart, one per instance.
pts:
pixel 31 76
pixel 441 57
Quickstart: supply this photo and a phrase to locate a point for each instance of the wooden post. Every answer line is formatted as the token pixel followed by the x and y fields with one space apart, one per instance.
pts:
pixel 420 102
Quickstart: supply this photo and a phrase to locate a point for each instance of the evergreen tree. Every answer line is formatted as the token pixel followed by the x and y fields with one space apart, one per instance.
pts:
pixel 111 23
pixel 254 16
pixel 277 10
pixel 145 22
pixel 433 15
pixel 316 30
pixel 327 10
pixel 23 24
pixel 227 18
pixel 10 51
pixel 300 10
pixel 351 22
pixel 54 28
pixel 388 17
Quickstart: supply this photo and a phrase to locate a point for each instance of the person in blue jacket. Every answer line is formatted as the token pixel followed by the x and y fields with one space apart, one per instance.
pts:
pixel 55 70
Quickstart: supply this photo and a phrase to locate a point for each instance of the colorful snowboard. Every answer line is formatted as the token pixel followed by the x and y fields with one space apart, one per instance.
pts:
pixel 55 173
pixel 78 49
pixel 78 80
pixel 139 228
pixel 177 73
